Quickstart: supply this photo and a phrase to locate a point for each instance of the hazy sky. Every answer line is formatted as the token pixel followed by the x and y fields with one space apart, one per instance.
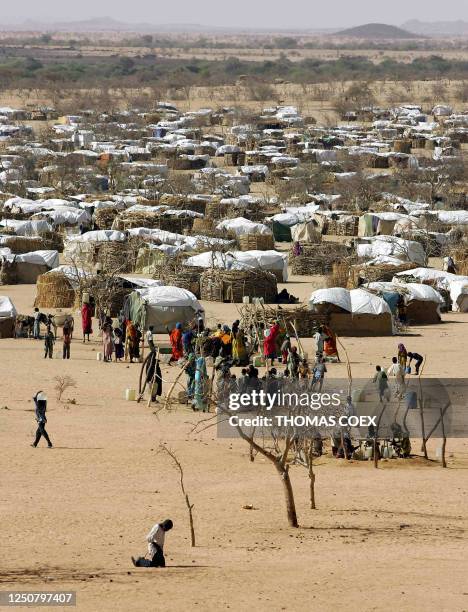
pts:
pixel 254 13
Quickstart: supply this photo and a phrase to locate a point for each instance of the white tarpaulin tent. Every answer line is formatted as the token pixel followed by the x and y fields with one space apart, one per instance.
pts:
pixel 7 308
pixel 241 226
pixel 454 283
pixel 404 250
pixel 336 295
pixel 162 307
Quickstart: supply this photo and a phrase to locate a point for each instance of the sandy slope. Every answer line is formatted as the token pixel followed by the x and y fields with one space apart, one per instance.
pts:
pixel 386 539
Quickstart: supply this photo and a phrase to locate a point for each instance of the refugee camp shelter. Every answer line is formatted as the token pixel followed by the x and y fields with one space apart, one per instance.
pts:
pixel 7 317
pixel 162 307
pixel 353 313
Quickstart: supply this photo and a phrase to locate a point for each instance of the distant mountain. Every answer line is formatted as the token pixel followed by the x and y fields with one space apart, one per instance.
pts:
pixel 100 24
pixel 375 31
pixel 437 28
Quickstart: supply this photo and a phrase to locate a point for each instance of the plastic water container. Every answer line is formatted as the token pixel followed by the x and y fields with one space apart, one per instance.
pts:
pixel 357 396
pixel 246 299
pixel 85 298
pixel 439 452
pixel 99 356
pixel 130 395
pixel 368 452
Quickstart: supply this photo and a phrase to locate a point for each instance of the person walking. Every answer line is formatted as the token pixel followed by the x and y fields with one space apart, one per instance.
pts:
pixel 40 401
pixel 155 539
pixel 86 320
pixel 398 372
pixel 66 343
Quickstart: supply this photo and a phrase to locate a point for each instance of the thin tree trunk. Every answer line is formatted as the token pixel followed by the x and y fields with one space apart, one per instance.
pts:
pixel 288 494
pixel 444 439
pixel 192 528
pixel 312 477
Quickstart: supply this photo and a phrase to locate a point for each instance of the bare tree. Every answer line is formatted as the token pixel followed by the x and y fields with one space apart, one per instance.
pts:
pixel 62 383
pixel 178 466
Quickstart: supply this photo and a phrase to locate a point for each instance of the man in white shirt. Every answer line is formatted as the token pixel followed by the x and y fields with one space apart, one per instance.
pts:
pixel 155 539
pixel 397 370
pixel 319 337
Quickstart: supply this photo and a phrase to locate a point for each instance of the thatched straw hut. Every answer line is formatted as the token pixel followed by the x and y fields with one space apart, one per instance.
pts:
pixel 219 285
pixel 54 290
pixel 317 258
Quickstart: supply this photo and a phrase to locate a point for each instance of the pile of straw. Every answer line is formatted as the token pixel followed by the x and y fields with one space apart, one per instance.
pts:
pixel 299 320
pixel 369 274
pixel 119 256
pixel 317 258
pixel 460 257
pixel 259 242
pixel 233 285
pixel 23 244
pixel 104 217
pixel 8 274
pixel 54 290
pixel 185 277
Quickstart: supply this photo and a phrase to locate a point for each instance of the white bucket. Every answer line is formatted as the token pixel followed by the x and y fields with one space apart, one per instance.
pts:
pixel 130 395
pixel 99 356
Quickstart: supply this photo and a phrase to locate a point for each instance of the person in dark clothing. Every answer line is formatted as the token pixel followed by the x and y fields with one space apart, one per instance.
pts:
pixel 66 342
pixel 154 381
pixel 49 341
pixel 418 359
pixel 40 400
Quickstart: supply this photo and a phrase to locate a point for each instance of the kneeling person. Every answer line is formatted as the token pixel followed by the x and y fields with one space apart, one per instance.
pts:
pixel 155 540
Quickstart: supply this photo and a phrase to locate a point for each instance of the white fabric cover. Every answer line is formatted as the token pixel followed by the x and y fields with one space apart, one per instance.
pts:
pixel 27 228
pixel 43 258
pixel 101 236
pixel 336 295
pixel 165 306
pixel 405 250
pixel 241 226
pixel 7 308
pixel 363 302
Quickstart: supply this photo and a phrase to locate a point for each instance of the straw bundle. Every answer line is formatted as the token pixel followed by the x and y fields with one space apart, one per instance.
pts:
pixel 128 220
pixel 119 256
pixel 460 256
pixel 8 272
pixel 343 227
pixel 202 224
pixel 369 274
pixel 54 290
pixel 185 277
pixel 259 242
pixel 104 217
pixel 23 244
pixel 317 258
pixel 300 320
pixel 233 285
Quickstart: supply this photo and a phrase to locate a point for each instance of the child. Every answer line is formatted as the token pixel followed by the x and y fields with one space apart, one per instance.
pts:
pixel 49 341
pixel 155 540
pixel 66 343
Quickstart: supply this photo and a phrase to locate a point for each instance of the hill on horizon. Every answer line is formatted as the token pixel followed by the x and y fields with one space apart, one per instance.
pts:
pixel 437 28
pixel 376 31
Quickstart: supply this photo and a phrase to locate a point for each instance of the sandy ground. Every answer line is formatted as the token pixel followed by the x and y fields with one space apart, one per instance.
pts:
pixel 387 539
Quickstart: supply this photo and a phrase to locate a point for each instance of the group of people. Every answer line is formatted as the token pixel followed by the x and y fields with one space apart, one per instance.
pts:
pixel 398 370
